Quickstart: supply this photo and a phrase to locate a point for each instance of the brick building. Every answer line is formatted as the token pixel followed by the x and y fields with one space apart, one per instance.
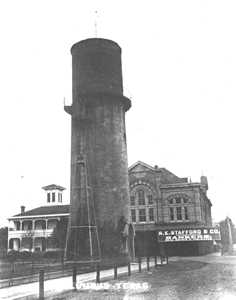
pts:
pixel 161 201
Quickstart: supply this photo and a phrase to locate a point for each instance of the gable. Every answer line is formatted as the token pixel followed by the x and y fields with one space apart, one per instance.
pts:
pixel 140 167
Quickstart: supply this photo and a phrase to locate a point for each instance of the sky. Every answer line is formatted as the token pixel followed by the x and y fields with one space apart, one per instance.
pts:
pixel 179 69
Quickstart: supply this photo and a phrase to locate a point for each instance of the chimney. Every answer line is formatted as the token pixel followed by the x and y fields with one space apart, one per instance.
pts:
pixel 204 181
pixel 22 209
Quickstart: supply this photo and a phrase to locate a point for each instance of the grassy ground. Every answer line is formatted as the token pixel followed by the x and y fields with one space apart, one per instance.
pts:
pixel 178 280
pixel 24 268
pixel 24 271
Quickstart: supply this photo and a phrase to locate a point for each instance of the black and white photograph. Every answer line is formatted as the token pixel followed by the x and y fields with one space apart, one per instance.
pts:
pixel 118 151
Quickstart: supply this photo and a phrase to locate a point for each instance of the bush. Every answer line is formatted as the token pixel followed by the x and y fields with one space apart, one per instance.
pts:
pixel 37 255
pixel 24 254
pixel 12 255
pixel 52 254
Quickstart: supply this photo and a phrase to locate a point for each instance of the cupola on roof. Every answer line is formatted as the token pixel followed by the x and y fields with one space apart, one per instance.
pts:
pixel 51 187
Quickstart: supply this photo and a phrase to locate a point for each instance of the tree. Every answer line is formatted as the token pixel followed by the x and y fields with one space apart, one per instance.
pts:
pixel 227 231
pixel 59 234
pixel 3 240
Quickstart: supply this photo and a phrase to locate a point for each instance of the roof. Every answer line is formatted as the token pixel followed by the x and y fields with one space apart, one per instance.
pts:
pixel 46 210
pixel 166 177
pixel 53 187
pixel 169 177
pixel 142 164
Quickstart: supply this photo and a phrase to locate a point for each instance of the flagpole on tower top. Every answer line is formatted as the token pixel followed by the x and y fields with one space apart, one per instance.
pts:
pixel 96 23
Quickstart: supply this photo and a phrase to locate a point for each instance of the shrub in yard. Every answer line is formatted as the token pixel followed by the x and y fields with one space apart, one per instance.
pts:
pixel 12 255
pixel 52 254
pixel 37 255
pixel 3 241
pixel 25 254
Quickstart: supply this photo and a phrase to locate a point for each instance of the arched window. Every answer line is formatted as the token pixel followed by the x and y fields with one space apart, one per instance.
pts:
pixel 178 200
pixel 132 200
pixel 150 199
pixel 141 198
pixel 151 214
pixel 185 200
pixel 178 209
pixel 179 213
pixel 172 217
pixel 186 213
pixel 143 207
pixel 142 215
pixel 133 215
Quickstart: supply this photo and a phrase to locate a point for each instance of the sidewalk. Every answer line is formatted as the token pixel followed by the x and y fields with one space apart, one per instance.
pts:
pixel 60 285
pixel 213 258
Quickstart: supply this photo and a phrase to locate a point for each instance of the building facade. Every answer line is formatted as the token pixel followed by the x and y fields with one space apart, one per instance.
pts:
pixel 159 201
pixel 33 230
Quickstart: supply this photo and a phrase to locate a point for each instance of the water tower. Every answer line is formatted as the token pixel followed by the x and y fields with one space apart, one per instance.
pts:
pixel 99 225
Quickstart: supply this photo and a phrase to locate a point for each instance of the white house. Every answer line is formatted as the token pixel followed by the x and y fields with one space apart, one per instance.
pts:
pixel 32 230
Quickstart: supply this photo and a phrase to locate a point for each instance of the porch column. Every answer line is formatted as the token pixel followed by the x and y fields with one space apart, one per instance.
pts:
pixel 33 224
pixel 20 245
pixel 32 244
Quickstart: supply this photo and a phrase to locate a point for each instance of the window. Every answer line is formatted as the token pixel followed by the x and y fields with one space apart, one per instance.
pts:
pixel 151 214
pixel 142 215
pixel 178 200
pixel 53 197
pixel 17 225
pixel 52 224
pixel 60 197
pixel 179 213
pixel 172 217
pixel 133 215
pixel 186 213
pixel 132 200
pixel 150 199
pixel 48 197
pixel 143 207
pixel 178 209
pixel 141 199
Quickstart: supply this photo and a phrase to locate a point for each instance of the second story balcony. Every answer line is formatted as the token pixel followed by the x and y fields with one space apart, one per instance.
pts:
pixel 30 233
pixel 33 226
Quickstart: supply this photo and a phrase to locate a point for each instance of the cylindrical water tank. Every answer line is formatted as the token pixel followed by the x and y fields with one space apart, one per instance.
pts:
pixel 96 67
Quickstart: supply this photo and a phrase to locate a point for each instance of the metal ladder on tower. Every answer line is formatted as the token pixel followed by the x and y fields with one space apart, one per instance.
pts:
pixel 84 222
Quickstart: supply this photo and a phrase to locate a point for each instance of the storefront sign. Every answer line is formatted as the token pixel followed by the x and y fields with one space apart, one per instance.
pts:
pixel 185 235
